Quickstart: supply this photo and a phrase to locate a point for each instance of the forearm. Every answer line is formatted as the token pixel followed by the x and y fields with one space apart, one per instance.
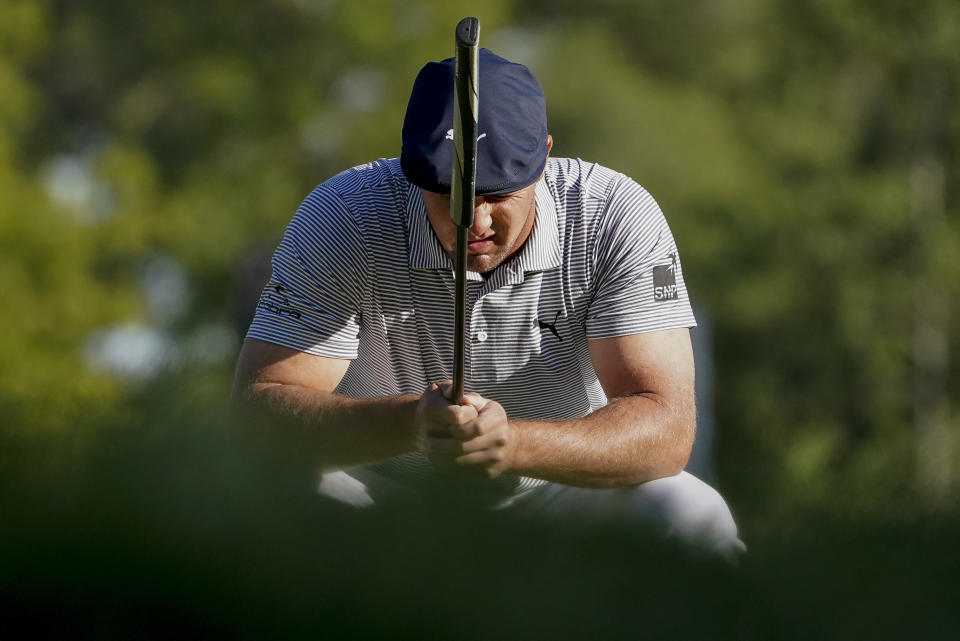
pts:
pixel 631 440
pixel 341 431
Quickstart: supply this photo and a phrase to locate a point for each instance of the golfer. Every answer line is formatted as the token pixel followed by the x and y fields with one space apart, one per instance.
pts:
pixel 578 363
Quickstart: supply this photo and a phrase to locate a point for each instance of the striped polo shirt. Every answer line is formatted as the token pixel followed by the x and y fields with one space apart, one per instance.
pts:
pixel 360 275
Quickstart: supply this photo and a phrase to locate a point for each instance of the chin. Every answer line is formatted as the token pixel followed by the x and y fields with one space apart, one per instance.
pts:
pixel 483 265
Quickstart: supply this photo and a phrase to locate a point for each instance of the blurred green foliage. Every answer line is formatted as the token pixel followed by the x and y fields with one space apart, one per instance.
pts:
pixel 807 155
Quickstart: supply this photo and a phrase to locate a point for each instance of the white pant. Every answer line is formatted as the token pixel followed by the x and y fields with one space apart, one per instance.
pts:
pixel 680 508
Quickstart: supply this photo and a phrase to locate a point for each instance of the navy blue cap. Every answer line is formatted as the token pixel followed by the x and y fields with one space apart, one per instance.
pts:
pixel 511 127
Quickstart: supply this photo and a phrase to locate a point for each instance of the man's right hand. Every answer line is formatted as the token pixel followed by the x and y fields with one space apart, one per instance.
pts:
pixel 437 415
pixel 476 437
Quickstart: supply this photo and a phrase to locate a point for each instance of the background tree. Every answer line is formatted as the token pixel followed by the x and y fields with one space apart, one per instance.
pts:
pixel 806 154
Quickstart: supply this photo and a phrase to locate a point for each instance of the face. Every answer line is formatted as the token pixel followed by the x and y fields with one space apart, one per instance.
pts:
pixel 501 224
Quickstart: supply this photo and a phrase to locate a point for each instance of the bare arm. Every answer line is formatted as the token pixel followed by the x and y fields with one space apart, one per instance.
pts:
pixel 644 433
pixel 295 389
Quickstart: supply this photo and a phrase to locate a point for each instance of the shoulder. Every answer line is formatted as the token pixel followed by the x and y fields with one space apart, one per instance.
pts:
pixel 356 202
pixel 380 183
pixel 580 175
pixel 379 175
pixel 590 183
pixel 589 193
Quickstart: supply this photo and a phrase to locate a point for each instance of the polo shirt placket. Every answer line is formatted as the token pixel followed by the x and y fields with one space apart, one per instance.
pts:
pixel 493 303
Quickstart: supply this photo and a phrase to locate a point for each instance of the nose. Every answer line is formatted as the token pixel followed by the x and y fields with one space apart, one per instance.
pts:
pixel 482 218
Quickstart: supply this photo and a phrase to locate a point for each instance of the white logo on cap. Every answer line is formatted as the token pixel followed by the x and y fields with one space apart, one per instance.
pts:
pixel 450 135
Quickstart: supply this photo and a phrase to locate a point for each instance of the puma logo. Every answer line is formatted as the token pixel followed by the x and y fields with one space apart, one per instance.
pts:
pixel 551 326
pixel 449 136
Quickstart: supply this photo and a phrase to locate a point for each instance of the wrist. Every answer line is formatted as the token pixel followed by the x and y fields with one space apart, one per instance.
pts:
pixel 408 406
pixel 519 460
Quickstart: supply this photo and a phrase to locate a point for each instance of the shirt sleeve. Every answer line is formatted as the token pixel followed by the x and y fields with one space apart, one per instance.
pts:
pixel 637 281
pixel 312 302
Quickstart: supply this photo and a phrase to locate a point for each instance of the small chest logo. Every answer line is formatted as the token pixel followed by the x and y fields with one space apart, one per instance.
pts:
pixel 551 326
pixel 665 281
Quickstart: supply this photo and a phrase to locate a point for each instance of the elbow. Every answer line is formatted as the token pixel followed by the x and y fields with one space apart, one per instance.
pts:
pixel 672 461
pixel 243 402
pixel 249 390
pixel 670 456
pixel 254 402
pixel 678 438
pixel 675 464
pixel 682 445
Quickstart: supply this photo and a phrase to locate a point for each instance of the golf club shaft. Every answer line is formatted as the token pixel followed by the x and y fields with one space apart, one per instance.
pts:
pixel 460 322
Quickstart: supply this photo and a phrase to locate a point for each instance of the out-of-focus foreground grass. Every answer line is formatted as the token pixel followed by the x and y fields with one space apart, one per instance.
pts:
pixel 196 525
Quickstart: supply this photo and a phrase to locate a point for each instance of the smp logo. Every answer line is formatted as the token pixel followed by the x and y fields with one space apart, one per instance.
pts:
pixel 665 281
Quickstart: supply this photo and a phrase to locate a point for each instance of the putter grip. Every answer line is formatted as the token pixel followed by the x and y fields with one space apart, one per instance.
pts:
pixel 466 105
pixel 468 32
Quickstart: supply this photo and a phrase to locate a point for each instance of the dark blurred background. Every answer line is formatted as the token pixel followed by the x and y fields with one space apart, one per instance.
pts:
pixel 806 154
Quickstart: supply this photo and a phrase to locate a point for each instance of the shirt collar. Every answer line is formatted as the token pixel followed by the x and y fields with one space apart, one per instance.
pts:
pixel 541 251
pixel 426 252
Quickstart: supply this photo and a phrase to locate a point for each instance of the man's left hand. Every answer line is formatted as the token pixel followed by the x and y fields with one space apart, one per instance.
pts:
pixel 486 443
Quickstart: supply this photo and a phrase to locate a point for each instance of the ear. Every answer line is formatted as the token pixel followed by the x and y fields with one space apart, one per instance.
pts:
pixel 549 143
